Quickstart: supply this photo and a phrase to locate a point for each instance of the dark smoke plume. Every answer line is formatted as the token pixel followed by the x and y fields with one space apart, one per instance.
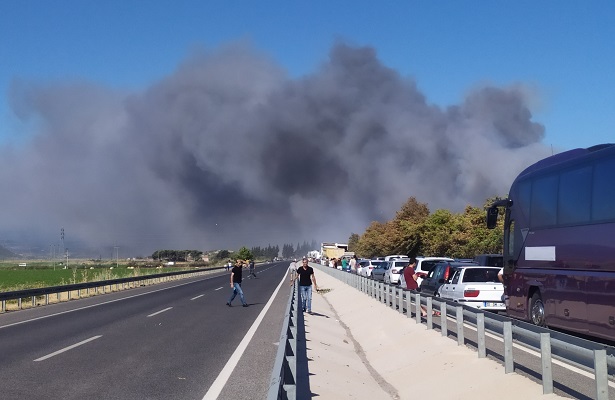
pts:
pixel 229 151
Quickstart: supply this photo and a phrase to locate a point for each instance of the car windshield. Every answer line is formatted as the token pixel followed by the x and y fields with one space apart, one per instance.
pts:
pixel 378 264
pixel 402 263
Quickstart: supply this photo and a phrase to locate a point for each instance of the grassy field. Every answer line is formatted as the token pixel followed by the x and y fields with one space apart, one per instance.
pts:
pixel 41 273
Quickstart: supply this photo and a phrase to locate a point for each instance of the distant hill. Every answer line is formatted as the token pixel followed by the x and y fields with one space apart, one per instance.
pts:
pixel 6 253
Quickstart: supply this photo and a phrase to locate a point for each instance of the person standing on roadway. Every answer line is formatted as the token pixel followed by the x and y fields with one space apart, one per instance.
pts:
pixel 306 277
pixel 251 265
pixel 410 275
pixel 292 271
pixel 353 264
pixel 236 284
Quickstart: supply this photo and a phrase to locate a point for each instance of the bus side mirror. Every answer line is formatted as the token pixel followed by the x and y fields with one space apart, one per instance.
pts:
pixel 492 217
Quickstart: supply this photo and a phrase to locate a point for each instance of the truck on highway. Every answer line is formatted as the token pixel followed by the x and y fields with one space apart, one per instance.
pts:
pixel 333 250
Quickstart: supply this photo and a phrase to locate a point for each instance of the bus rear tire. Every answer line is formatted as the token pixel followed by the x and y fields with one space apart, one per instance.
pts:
pixel 537 310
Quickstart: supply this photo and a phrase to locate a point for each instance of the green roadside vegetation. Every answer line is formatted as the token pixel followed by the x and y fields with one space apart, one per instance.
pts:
pixel 44 273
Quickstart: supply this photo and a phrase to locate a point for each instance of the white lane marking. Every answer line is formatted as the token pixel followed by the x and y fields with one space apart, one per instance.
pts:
pixel 194 298
pixel 158 312
pixel 55 353
pixel 219 288
pixel 225 374
pixel 105 302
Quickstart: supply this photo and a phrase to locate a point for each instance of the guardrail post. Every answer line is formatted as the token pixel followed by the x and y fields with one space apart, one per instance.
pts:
pixel 480 331
pixel 417 308
pixel 386 294
pixel 409 304
pixel 33 301
pixel 443 319
pixel 19 303
pixel 429 313
pixel 509 362
pixel 393 298
pixel 400 293
pixel 460 338
pixel 545 357
pixel 601 375
pixel 3 305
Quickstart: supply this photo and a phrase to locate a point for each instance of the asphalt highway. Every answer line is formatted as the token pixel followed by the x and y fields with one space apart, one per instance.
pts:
pixel 167 341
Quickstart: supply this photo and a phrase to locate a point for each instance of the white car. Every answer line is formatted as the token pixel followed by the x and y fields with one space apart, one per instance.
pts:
pixel 476 286
pixel 423 266
pixel 367 266
pixel 397 265
pixel 361 264
pixel 394 257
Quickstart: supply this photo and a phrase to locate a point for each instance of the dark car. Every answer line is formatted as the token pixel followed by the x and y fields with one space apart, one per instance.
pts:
pixel 440 274
pixel 491 260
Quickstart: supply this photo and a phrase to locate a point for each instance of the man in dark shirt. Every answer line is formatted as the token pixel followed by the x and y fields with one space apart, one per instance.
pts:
pixel 236 284
pixel 306 277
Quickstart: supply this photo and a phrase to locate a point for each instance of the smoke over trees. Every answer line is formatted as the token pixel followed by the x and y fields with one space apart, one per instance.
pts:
pixel 228 150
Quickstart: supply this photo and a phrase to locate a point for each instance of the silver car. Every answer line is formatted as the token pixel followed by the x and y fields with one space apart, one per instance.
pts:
pixel 380 270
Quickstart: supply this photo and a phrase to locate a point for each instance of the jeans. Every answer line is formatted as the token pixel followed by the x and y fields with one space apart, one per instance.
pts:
pixel 306 297
pixel 237 289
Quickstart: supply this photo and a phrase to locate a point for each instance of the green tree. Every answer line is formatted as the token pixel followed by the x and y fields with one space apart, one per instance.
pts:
pixel 223 254
pixel 244 254
pixel 353 242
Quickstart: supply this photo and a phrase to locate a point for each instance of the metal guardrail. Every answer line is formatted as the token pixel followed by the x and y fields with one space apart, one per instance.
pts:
pixel 283 383
pixel 33 294
pixel 590 356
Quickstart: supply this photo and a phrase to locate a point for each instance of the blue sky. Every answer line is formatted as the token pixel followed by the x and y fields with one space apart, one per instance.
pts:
pixel 563 50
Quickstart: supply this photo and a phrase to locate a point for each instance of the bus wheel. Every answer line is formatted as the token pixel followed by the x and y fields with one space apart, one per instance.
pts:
pixel 537 310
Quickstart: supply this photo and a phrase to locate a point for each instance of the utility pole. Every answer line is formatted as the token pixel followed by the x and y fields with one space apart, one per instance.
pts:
pixel 117 257
pixel 65 249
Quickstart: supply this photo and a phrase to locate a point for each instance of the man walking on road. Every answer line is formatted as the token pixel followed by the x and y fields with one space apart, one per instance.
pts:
pixel 251 265
pixel 236 284
pixel 306 277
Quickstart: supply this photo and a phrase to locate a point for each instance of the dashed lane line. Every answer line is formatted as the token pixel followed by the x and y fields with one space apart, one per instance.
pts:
pixel 55 353
pixel 159 312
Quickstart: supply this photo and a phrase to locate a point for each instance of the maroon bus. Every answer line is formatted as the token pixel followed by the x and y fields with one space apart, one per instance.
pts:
pixel 559 242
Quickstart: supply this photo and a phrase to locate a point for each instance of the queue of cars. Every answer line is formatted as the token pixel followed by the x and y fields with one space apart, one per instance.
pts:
pixel 464 282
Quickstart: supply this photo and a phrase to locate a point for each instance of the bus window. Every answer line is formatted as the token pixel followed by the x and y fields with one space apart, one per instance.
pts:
pixel 574 196
pixel 544 201
pixel 603 206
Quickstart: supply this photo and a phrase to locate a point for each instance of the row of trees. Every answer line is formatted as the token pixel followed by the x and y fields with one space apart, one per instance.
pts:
pixel 268 252
pixel 177 255
pixel 288 251
pixel 415 231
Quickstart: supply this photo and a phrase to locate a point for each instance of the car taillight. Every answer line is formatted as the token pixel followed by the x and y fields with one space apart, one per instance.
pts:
pixel 471 293
pixel 371 267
